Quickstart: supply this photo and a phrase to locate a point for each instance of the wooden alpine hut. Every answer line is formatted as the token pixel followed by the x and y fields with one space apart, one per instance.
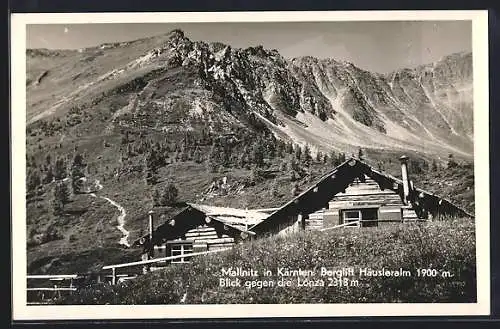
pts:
pixel 352 194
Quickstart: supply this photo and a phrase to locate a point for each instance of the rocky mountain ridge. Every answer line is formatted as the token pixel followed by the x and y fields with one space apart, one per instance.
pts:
pixel 325 103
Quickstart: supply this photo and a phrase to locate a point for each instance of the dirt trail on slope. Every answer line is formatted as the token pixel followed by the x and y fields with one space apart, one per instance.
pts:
pixel 121 217
pixel 121 222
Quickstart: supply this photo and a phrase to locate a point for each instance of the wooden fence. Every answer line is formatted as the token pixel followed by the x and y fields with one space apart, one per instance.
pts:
pixel 53 290
pixel 153 261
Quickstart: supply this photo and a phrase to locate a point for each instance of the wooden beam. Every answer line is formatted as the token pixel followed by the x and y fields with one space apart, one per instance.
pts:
pixel 341 225
pixel 61 276
pixel 52 289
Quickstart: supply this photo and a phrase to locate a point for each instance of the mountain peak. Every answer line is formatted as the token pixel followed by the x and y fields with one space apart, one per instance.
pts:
pixel 177 33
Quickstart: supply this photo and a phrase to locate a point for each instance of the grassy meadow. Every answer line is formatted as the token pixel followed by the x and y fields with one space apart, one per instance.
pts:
pixel 444 246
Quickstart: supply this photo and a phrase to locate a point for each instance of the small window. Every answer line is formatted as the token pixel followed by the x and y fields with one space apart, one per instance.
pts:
pixel 370 217
pixel 364 217
pixel 179 249
pixel 353 216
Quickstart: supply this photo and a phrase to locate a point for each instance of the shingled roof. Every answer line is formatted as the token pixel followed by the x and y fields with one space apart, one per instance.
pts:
pixel 232 220
pixel 241 218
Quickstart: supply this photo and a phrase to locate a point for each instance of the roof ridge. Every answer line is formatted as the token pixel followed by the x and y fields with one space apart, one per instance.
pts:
pixel 331 172
pixel 196 205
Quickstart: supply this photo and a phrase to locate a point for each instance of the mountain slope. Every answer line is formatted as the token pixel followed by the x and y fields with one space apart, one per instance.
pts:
pixel 396 108
pixel 328 104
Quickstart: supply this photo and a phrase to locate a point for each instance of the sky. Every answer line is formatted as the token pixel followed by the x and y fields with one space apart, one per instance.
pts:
pixel 381 46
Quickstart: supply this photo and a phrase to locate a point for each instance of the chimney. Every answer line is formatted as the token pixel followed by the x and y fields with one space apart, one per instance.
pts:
pixel 150 213
pixel 404 176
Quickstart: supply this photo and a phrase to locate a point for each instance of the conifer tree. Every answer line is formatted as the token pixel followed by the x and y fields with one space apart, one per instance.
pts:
pixel 151 176
pixel 425 165
pixel 360 153
pixel 130 150
pixel 434 166
pixel 152 160
pixel 213 158
pixel 197 156
pixel 256 174
pixel 156 197
pixel 306 155
pixel 280 148
pixel 333 158
pixel 169 195
pixel 242 159
pixel 298 152
pixel 416 167
pixel 258 154
pixel 60 197
pixel 183 154
pixel 341 158
pixel 451 161
pixel 33 181
pixel 319 157
pixel 271 148
pixel 225 156
pixel 293 164
pixel 49 176
pixel 77 173
pixel 274 190
pixel 125 139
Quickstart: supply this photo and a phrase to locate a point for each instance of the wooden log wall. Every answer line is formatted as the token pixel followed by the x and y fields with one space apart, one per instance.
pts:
pixel 312 199
pixel 367 193
pixel 203 238
pixel 291 226
pixel 315 221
